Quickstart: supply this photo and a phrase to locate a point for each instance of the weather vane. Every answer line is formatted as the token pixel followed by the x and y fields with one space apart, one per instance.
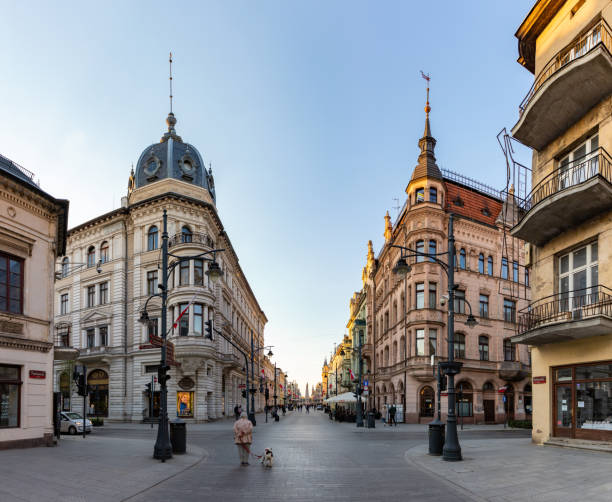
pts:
pixel 428 78
pixel 170 82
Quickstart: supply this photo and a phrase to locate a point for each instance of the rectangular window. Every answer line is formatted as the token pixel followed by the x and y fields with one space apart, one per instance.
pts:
pixel 184 321
pixel 91 296
pixel 184 404
pixel 198 317
pixel 433 249
pixel 198 272
pixel 104 336
pixel 184 273
pixel 420 249
pixel 10 401
pixel 419 195
pixel 433 341
pixel 527 277
pixel 580 164
pixel 420 342
pixel 433 195
pixel 64 303
pixel 433 295
pixel 515 271
pixel 460 301
pixel 484 305
pixel 509 350
pixel 420 295
pixel 152 282
pixel 504 269
pixel 459 346
pixel 152 327
pixel 509 310
pixel 483 348
pixel 91 338
pixel 578 277
pixel 11 284
pixel 103 293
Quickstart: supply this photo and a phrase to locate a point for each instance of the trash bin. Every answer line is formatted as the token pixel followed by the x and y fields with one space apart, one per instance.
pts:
pixel 371 421
pixel 436 437
pixel 178 436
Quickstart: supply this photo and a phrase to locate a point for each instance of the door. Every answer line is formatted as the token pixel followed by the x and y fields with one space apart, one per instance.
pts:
pixel 563 411
pixel 509 398
pixel 489 410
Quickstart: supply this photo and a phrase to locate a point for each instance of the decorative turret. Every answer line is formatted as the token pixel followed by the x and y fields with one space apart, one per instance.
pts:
pixel 388 227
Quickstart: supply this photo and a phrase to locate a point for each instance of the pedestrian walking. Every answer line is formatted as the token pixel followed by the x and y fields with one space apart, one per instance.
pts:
pixel 237 411
pixel 243 437
pixel 392 411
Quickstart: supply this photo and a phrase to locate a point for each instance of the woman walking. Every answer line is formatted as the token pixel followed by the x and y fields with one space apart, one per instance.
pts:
pixel 243 437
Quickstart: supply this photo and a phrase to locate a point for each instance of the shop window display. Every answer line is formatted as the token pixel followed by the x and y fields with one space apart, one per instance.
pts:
pixel 184 404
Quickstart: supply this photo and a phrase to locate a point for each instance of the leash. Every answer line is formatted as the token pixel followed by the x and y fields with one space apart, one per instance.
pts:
pixel 249 451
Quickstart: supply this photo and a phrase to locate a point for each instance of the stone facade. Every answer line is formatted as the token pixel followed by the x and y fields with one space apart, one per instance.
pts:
pixel 407 316
pixel 113 265
pixel 32 234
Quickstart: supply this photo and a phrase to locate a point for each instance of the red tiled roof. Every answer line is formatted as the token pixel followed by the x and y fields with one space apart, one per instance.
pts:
pixel 471 203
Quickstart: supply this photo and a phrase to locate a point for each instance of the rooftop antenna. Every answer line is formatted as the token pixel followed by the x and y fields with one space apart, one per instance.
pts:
pixel 170 60
pixel 397 206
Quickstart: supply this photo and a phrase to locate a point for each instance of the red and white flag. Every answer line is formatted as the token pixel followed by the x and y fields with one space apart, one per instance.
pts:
pixel 183 312
pixel 352 374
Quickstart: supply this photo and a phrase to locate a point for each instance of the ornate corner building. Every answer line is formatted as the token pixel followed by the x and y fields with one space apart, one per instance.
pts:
pixel 112 266
pixel 406 317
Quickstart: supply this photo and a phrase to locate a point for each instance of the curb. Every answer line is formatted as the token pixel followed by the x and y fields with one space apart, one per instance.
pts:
pixel 410 457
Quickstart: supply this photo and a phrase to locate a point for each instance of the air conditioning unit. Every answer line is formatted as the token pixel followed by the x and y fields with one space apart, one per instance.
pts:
pixel 528 253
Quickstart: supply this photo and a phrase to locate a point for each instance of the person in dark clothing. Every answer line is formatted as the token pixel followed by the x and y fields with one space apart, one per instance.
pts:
pixel 392 412
pixel 237 411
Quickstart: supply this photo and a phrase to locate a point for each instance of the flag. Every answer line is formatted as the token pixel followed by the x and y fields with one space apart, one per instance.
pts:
pixel 426 77
pixel 280 385
pixel 352 374
pixel 183 312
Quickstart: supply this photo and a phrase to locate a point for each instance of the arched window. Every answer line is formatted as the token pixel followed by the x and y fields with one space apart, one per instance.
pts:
pixel 462 259
pixel 152 238
pixel 91 257
pixel 481 263
pixel 386 357
pixel 65 266
pixel 420 248
pixel 490 265
pixel 104 252
pixel 394 352
pixel 504 269
pixel 426 399
pixel 394 312
pixel 488 387
pixel 483 347
pixel 459 345
pixel 186 235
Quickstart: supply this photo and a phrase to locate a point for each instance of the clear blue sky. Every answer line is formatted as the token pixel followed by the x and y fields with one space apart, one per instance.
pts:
pixel 310 113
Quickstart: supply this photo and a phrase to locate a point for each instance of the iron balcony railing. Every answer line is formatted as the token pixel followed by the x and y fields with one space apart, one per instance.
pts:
pixel 198 238
pixel 599 34
pixel 566 306
pixel 596 163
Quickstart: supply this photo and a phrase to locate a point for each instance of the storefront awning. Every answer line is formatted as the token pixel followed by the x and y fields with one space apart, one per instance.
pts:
pixel 346 397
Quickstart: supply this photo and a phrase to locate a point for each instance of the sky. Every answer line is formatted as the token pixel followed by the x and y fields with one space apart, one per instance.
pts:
pixel 310 113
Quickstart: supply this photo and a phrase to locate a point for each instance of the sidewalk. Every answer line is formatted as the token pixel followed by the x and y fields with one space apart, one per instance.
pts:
pixel 93 469
pixel 503 470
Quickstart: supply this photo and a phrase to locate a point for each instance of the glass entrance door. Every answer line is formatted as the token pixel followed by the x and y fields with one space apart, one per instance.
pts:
pixel 563 410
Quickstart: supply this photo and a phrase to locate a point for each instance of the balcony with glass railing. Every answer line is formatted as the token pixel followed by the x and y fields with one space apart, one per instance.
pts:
pixel 568 196
pixel 570 84
pixel 564 316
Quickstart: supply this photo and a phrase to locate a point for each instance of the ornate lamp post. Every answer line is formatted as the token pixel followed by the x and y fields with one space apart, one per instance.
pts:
pixel 452 449
pixel 163 448
pixel 251 413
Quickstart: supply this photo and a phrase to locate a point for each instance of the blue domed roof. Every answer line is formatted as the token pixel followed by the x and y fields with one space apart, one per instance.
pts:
pixel 172 158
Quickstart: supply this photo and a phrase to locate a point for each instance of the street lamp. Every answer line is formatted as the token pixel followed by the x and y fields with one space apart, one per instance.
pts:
pixel 252 389
pixel 452 449
pixel 163 448
pixel 359 413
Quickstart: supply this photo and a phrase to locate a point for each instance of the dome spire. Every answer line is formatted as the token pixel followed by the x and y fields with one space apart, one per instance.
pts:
pixel 427 166
pixel 171 119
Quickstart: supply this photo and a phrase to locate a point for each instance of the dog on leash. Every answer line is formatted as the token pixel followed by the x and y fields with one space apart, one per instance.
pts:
pixel 268 458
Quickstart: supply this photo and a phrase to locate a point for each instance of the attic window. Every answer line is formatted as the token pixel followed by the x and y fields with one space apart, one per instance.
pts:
pixel 458 201
pixel 485 211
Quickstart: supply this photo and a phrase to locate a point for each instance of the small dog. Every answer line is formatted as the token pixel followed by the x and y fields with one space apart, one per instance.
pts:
pixel 268 458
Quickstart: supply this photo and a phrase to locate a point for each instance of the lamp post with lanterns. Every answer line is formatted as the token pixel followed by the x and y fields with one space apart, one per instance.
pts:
pixel 163 449
pixel 451 450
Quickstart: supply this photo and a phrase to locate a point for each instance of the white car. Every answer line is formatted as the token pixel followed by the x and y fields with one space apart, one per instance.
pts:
pixel 72 423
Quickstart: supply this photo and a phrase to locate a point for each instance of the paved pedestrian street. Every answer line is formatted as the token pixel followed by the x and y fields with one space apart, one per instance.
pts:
pixel 314 458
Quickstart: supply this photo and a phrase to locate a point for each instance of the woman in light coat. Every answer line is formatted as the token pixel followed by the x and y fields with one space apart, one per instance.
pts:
pixel 243 437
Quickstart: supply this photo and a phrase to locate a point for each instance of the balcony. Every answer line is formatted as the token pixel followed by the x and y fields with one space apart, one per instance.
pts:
pixel 574 80
pixel 62 346
pixel 512 371
pixel 566 197
pixel 194 238
pixel 566 316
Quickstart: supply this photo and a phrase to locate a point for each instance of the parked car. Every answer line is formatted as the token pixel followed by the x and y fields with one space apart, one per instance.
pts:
pixel 72 423
pixel 319 407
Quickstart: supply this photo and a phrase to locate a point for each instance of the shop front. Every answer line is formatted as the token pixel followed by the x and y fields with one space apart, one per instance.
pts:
pixel 582 401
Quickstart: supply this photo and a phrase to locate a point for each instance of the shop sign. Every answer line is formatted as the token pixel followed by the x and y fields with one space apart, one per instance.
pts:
pixel 539 379
pixel 186 383
pixel 38 374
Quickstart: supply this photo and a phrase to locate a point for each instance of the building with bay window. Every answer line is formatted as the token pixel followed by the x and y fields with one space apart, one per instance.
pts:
pixel 32 235
pixel 565 118
pixel 112 265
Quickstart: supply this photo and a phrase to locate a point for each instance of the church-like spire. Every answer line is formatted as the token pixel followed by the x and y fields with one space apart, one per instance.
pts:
pixel 171 119
pixel 427 167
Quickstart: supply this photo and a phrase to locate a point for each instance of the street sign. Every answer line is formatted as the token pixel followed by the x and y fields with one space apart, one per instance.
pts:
pixel 242 386
pixel 539 379
pixel 366 383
